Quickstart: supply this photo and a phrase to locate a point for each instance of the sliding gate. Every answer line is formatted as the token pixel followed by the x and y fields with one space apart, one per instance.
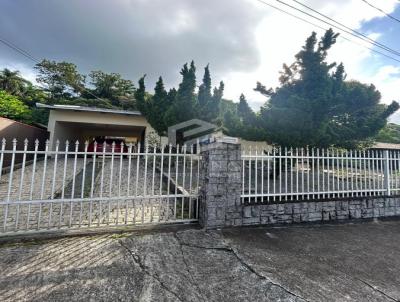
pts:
pixel 84 186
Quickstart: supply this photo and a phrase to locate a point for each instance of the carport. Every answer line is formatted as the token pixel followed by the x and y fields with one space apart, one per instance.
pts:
pixel 78 123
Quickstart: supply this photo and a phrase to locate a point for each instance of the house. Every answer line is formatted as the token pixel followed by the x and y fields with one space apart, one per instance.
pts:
pixel 10 130
pixel 385 146
pixel 79 123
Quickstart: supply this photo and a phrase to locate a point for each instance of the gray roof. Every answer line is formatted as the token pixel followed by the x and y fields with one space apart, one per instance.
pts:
pixel 387 146
pixel 87 109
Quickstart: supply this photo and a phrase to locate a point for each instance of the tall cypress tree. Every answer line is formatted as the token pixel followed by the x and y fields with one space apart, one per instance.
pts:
pixel 205 90
pixel 245 113
pixel 184 107
pixel 243 122
pixel 214 103
pixel 158 104
pixel 209 102
pixel 140 96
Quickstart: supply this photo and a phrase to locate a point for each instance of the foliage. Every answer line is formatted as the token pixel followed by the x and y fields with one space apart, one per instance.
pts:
pixel 13 108
pixel 12 82
pixel 63 84
pixel 315 106
pixel 243 122
pixel 154 107
pixel 389 134
pixel 184 106
pixel 163 109
pixel 140 96
pixel 153 140
pixel 209 102
pixel 39 116
pixel 158 104
pixel 61 79
pixel 113 87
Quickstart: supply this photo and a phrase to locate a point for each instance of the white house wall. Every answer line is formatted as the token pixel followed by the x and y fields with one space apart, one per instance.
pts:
pixel 62 132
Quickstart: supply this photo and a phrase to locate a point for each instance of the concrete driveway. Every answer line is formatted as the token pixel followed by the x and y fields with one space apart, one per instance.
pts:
pixel 347 262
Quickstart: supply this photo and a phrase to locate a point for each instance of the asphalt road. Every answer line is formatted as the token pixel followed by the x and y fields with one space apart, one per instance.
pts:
pixel 346 262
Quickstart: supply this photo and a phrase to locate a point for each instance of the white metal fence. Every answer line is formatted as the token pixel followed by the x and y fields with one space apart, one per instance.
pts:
pixel 298 174
pixel 72 187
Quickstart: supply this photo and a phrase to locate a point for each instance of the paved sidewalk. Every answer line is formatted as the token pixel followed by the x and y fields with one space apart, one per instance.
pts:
pixel 349 262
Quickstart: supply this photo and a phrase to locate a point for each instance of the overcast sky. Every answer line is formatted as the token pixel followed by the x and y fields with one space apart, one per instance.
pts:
pixel 244 41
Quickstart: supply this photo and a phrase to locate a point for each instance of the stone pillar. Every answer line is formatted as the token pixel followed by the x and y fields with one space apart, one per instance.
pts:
pixel 221 185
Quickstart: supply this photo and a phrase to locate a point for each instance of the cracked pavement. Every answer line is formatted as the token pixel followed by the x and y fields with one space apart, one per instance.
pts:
pixel 343 262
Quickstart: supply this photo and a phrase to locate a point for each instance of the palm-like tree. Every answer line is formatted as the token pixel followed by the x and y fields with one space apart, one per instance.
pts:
pixel 12 82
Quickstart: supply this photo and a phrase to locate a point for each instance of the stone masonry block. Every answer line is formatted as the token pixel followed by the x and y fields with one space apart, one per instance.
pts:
pixel 238 222
pixel 247 212
pixel 345 205
pixel 355 213
pixel 234 166
pixel 325 216
pixel 265 220
pixel 234 178
pixel 251 221
pixel 220 213
pixel 255 211
pixel 315 216
pixel 288 208
pixel 233 215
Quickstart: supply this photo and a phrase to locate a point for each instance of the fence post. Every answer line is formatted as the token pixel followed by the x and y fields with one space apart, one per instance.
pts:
pixel 221 185
pixel 386 171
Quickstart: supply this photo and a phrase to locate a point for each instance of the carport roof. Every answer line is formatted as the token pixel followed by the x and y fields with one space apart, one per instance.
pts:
pixel 87 109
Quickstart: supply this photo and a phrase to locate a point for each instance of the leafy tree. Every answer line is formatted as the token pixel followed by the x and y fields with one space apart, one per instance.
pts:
pixel 33 95
pixel 61 79
pixel 243 122
pixel 185 104
pixel 164 109
pixel 209 102
pixel 226 105
pixel 232 125
pixel 64 85
pixel 245 113
pixel 12 82
pixel 40 116
pixel 204 95
pixel 140 97
pixel 13 108
pixel 113 87
pixel 315 106
pixel 213 106
pixel 389 134
pixel 158 104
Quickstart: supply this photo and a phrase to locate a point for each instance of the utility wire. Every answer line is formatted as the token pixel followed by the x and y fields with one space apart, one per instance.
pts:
pixel 320 27
pixel 349 28
pixel 17 49
pixel 382 11
pixel 333 25
pixel 37 61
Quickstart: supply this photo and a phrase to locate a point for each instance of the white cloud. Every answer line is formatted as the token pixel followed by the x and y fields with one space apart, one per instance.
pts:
pixel 280 37
pixel 26 71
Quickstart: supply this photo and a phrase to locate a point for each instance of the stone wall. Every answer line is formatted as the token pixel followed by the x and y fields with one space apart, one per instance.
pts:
pixel 221 205
pixel 314 211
